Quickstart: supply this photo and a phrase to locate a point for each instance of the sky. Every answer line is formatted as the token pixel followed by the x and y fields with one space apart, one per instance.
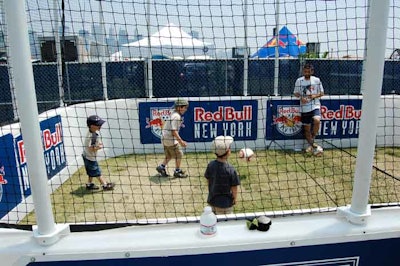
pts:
pixel 339 26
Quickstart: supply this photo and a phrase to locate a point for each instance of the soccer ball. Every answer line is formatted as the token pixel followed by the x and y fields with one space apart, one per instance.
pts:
pixel 246 153
pixel 318 151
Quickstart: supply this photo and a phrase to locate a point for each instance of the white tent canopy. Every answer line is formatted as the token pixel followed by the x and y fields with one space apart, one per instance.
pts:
pixel 169 41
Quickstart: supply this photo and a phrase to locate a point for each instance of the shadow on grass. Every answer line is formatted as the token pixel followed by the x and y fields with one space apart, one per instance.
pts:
pixel 82 191
pixel 157 179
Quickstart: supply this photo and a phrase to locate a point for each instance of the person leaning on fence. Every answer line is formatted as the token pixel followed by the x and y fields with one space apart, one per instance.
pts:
pixel 92 144
pixel 309 90
pixel 172 141
pixel 223 179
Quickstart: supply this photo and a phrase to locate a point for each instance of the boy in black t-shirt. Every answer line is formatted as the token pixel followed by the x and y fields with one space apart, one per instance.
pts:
pixel 223 179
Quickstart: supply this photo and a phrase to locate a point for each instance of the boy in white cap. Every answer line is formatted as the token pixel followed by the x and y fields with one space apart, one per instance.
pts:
pixel 92 144
pixel 172 141
pixel 223 179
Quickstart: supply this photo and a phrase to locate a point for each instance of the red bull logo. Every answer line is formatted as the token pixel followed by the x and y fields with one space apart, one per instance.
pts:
pixel 21 152
pixel 274 43
pixel 282 44
pixel 223 113
pixel 3 181
pixel 271 43
pixel 156 120
pixel 52 139
pixel 288 120
pixel 345 112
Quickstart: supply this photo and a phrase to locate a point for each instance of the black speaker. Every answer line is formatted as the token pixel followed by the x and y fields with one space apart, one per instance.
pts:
pixel 69 49
pixel 48 51
pixel 238 52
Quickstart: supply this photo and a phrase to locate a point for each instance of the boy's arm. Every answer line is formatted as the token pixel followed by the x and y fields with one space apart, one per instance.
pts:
pixel 95 147
pixel 178 138
pixel 234 190
pixel 318 95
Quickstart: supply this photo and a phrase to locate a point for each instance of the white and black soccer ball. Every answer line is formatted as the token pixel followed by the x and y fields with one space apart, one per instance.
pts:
pixel 318 151
pixel 246 153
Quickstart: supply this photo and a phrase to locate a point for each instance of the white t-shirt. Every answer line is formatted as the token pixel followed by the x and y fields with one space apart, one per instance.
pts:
pixel 308 87
pixel 173 123
pixel 91 139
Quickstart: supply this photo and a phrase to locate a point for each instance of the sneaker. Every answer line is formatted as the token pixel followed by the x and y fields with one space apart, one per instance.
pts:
pixel 180 174
pixel 161 170
pixel 91 187
pixel 109 186
pixel 309 149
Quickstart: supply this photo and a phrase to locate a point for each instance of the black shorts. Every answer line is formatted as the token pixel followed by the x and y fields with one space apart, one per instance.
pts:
pixel 307 118
pixel 92 168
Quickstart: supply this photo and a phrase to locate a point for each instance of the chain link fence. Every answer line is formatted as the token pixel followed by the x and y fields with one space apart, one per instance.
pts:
pixel 82 82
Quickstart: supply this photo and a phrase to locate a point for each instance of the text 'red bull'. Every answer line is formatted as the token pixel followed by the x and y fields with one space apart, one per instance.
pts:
pixel 345 112
pixel 52 139
pixel 223 114
pixel 49 140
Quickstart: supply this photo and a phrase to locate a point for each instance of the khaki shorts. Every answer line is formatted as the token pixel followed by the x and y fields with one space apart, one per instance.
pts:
pixel 218 210
pixel 173 151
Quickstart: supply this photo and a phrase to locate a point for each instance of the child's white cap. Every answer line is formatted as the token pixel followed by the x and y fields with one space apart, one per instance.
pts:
pixel 221 145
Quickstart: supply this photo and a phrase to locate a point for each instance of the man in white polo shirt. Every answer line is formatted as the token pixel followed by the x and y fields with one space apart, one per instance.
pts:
pixel 309 90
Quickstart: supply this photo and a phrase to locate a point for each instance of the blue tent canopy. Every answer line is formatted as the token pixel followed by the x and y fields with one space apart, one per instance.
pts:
pixel 289 46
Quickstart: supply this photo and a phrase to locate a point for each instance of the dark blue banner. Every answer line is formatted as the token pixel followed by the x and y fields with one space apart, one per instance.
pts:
pixel 337 254
pixel 10 190
pixel 53 146
pixel 203 121
pixel 339 119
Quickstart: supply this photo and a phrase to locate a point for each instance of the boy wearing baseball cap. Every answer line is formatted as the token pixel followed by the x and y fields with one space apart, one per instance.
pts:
pixel 172 141
pixel 223 179
pixel 91 145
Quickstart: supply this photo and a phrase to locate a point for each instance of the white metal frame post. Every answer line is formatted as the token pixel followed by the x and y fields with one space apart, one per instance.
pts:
pixel 46 232
pixel 374 66
pixel 10 79
pixel 276 66
pixel 103 52
pixel 58 53
pixel 246 55
pixel 149 72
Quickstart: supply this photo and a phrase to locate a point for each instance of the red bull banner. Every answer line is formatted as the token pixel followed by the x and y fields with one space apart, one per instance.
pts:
pixel 53 146
pixel 202 122
pixel 340 118
pixel 10 189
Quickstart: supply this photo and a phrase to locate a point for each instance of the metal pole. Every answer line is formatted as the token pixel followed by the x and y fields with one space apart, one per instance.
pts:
pixel 374 66
pixel 9 69
pixel 103 52
pixel 149 54
pixel 365 49
pixel 246 54
pixel 276 67
pixel 58 54
pixel 20 60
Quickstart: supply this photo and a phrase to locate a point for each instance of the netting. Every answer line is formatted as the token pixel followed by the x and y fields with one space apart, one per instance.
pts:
pixel 128 61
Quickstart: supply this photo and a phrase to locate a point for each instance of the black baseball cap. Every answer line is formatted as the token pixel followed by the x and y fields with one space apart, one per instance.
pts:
pixel 95 120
